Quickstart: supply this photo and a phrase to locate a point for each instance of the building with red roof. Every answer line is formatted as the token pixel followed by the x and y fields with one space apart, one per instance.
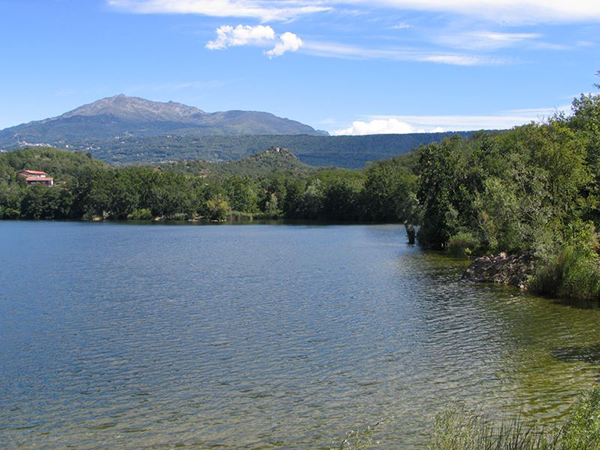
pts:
pixel 36 177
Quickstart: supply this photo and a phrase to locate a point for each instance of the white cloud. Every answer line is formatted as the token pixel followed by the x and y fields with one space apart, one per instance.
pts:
pixel 228 36
pixel 433 124
pixel 257 36
pixel 377 126
pixel 456 60
pixel 401 26
pixel 288 42
pixel 585 44
pixel 335 50
pixel 500 11
pixel 485 40
pixel 504 11
pixel 264 10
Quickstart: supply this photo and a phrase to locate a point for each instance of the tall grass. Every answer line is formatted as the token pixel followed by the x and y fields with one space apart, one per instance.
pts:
pixel 458 430
pixel 571 273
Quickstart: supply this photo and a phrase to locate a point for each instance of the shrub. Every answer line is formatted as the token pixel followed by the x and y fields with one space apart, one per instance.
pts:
pixel 573 273
pixel 141 214
pixel 582 430
pixel 238 216
pixel 179 216
pixel 462 245
pixel 218 209
pixel 7 212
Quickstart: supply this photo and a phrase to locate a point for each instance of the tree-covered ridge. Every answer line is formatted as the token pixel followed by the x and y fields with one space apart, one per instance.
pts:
pixel 351 152
pixel 61 164
pixel 258 165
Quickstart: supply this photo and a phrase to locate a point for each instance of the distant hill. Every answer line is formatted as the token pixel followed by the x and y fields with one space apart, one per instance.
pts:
pixel 59 164
pixel 351 152
pixel 257 165
pixel 64 164
pixel 121 116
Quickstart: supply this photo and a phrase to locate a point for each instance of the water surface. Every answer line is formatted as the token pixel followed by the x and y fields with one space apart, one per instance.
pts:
pixel 259 336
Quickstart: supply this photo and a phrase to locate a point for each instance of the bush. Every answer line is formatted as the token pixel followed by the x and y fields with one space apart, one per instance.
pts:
pixel 572 273
pixel 237 216
pixel 582 430
pixel 218 209
pixel 179 216
pixel 462 245
pixel 7 212
pixel 141 214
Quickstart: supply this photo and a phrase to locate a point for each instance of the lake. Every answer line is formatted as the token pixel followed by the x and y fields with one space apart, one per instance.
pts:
pixel 264 336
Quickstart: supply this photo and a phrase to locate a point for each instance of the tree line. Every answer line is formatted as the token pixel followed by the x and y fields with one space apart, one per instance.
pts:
pixel 88 189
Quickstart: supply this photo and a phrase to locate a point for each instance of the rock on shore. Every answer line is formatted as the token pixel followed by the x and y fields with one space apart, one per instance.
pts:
pixel 514 270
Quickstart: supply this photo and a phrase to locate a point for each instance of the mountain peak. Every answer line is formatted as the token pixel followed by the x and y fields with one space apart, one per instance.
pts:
pixel 137 109
pixel 121 116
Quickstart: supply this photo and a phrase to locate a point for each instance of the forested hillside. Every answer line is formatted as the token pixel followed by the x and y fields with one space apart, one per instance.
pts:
pixel 260 164
pixel 351 152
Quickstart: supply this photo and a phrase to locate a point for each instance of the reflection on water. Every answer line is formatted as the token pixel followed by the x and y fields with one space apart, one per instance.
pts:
pixel 263 337
pixel 590 355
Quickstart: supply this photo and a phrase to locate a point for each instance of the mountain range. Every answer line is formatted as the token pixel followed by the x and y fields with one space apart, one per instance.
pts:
pixel 130 130
pixel 122 116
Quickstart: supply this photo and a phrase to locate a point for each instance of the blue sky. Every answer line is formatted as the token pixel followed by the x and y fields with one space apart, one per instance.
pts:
pixel 345 66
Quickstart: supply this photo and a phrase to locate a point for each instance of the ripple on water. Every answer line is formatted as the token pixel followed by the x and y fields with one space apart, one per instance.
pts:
pixel 263 337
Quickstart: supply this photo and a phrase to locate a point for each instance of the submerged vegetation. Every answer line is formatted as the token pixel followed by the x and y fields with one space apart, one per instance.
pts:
pixel 461 429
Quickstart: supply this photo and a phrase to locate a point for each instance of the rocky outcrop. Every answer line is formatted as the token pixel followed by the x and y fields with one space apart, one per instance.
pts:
pixel 514 270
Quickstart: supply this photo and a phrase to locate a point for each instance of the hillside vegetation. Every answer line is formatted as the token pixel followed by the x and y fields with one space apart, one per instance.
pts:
pixel 351 152
pixel 258 165
pixel 533 190
pixel 61 164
